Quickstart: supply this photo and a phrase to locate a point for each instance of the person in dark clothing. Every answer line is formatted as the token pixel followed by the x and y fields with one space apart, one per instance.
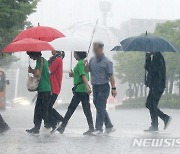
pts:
pixel 44 92
pixel 81 93
pixel 56 72
pixel 3 125
pixel 156 81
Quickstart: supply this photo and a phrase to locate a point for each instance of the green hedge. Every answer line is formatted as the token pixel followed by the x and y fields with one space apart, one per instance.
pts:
pixel 167 101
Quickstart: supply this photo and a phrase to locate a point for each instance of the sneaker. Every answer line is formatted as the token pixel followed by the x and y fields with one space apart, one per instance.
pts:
pixel 152 129
pixel 167 121
pixel 97 133
pixel 61 129
pixel 109 130
pixel 33 131
pixel 54 129
pixel 89 132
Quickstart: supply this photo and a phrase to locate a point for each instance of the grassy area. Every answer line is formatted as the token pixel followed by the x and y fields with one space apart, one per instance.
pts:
pixel 167 101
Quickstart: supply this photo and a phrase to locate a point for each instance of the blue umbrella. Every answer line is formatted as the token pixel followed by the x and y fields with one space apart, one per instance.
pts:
pixel 146 43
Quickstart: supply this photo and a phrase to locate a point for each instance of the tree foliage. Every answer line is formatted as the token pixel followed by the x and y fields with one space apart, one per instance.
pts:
pixel 130 65
pixel 13 18
pixel 171 31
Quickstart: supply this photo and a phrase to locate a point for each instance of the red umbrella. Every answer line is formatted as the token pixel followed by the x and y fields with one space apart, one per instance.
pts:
pixel 42 33
pixel 28 44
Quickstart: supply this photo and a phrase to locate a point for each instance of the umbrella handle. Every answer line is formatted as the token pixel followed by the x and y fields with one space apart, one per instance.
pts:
pixel 92 36
pixel 29 66
pixel 71 62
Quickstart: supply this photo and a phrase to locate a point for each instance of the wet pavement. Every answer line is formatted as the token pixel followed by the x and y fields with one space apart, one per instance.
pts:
pixel 129 124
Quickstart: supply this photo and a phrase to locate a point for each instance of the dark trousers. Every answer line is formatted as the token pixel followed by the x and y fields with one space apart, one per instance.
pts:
pixel 100 96
pixel 84 99
pixel 41 110
pixel 54 116
pixel 152 104
pixel 3 125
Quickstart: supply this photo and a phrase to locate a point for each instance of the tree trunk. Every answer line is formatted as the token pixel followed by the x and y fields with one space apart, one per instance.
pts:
pixel 167 87
pixel 141 90
pixel 171 84
pixel 136 89
pixel 145 91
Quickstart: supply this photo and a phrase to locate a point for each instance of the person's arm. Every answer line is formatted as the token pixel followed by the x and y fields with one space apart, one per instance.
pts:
pixel 113 86
pixel 110 71
pixel 82 73
pixel 148 62
pixel 87 65
pixel 71 74
pixel 86 84
pixel 36 71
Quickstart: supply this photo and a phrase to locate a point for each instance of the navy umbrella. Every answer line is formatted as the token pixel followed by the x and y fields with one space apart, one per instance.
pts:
pixel 146 43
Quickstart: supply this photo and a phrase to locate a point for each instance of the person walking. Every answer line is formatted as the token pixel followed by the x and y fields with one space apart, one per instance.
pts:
pixel 81 91
pixel 56 72
pixel 3 125
pixel 101 69
pixel 156 81
pixel 44 92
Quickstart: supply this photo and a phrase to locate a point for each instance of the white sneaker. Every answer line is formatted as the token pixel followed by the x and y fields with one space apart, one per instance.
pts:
pixel 97 133
pixel 56 127
pixel 109 131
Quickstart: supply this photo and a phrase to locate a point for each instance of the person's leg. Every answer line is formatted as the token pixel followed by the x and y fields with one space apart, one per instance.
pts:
pixel 37 116
pixel 149 105
pixel 45 108
pixel 99 122
pixel 54 116
pixel 38 112
pixel 71 108
pixel 100 104
pixel 87 110
pixel 156 112
pixel 159 112
pixel 3 125
pixel 53 112
pixel 107 120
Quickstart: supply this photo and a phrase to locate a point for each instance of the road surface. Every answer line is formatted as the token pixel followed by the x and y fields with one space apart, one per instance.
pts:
pixel 129 124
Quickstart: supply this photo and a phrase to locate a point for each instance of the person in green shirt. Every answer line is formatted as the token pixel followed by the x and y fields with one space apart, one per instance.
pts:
pixel 81 91
pixel 44 92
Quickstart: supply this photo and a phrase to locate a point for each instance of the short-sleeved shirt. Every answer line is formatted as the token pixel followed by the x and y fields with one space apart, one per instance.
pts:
pixel 44 83
pixel 56 72
pixel 101 69
pixel 79 71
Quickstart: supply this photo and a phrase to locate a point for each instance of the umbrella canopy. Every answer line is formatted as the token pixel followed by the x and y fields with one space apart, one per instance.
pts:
pixel 146 43
pixel 28 44
pixel 102 34
pixel 70 44
pixel 42 33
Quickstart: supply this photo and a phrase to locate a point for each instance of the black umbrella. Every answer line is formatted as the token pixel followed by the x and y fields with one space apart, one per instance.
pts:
pixel 146 43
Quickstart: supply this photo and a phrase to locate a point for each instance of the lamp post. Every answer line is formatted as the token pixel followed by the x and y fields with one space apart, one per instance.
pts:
pixel 105 7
